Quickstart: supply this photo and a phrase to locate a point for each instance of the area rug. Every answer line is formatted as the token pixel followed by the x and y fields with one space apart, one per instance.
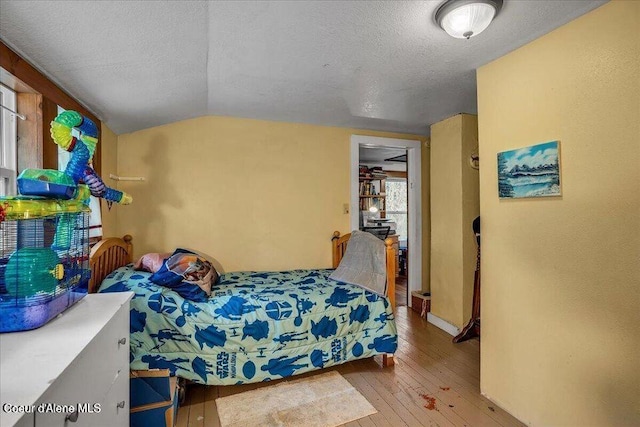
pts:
pixel 323 400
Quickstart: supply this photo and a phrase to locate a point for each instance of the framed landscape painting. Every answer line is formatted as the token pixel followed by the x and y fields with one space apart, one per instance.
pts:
pixel 532 171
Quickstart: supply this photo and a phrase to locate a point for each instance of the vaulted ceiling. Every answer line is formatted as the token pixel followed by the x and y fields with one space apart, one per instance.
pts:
pixel 363 64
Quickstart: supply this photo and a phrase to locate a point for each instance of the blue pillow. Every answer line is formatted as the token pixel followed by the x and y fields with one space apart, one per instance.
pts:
pixel 188 274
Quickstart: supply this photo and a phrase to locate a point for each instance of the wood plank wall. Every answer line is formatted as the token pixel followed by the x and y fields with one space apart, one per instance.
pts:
pixel 51 96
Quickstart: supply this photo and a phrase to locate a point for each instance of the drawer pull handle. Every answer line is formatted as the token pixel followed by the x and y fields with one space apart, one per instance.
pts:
pixel 122 341
pixel 72 417
pixel 121 404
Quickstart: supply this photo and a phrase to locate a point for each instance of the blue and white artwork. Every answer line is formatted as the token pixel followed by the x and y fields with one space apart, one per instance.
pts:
pixel 529 172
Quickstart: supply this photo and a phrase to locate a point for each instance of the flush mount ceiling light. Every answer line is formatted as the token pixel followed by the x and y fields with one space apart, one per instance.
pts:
pixel 464 19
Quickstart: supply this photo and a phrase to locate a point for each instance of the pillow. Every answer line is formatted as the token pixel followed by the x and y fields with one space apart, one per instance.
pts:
pixel 188 274
pixel 150 262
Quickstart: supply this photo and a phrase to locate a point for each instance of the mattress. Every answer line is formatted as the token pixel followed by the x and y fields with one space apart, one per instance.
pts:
pixel 257 326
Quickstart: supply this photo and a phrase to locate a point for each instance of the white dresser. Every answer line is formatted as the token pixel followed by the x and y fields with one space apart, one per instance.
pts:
pixel 74 371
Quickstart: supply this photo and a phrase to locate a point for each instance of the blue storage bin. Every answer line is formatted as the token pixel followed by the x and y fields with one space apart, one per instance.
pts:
pixel 153 398
pixel 44 260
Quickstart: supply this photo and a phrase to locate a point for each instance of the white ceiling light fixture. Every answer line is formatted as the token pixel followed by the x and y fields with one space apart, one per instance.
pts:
pixel 464 19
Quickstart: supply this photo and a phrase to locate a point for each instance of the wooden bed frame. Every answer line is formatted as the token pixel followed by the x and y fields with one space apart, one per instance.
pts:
pixel 106 256
pixel 340 246
pixel 113 252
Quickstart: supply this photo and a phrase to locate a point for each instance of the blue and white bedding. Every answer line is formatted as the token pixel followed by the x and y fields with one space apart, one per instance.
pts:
pixel 257 326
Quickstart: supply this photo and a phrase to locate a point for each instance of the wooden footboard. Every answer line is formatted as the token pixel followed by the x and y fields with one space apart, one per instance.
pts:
pixel 106 256
pixel 340 246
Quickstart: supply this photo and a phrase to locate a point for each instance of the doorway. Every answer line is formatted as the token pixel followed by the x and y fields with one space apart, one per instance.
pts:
pixel 397 214
pixel 413 242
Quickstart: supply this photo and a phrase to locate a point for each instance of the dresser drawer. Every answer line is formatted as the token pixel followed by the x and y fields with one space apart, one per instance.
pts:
pixel 90 377
pixel 26 420
pixel 114 412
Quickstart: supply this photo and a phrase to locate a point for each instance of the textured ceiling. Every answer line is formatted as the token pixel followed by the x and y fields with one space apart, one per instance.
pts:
pixel 379 154
pixel 372 65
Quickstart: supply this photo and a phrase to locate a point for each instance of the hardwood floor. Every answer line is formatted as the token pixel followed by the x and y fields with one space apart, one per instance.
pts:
pixel 433 383
pixel 401 290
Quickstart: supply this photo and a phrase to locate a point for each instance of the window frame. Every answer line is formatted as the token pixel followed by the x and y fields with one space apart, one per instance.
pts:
pixel 8 142
pixel 389 180
pixel 390 212
pixel 52 96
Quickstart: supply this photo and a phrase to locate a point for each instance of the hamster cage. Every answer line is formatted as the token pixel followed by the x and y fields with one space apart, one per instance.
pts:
pixel 44 259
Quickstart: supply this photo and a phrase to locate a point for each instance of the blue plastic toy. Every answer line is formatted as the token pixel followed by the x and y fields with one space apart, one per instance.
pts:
pixel 44 232
pixel 64 185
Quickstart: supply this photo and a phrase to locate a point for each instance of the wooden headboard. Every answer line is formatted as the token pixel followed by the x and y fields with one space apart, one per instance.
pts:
pixel 340 246
pixel 114 252
pixel 106 256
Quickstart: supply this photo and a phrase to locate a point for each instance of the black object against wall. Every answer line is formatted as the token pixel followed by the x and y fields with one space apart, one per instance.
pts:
pixel 472 329
pixel 381 232
pixel 476 229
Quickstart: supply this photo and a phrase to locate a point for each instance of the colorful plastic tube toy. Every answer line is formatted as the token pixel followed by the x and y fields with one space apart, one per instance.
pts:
pixel 64 185
pixel 81 154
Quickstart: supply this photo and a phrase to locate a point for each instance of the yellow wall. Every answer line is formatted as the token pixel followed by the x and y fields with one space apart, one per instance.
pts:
pixel 454 205
pixel 470 211
pixel 446 220
pixel 560 276
pixel 109 151
pixel 254 195
pixel 425 163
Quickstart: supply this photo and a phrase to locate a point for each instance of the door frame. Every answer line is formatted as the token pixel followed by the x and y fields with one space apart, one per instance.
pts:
pixel 414 184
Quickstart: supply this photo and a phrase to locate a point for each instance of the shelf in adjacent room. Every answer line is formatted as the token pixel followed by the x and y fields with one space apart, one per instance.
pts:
pixel 362 178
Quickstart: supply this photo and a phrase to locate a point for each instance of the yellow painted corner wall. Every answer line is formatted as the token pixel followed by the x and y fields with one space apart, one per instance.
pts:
pixel 425 163
pixel 252 194
pixel 109 152
pixel 470 211
pixel 446 220
pixel 561 276
pixel 454 206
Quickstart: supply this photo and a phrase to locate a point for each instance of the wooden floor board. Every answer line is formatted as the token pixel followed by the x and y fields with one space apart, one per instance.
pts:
pixel 465 352
pixel 440 372
pixel 460 395
pixel 434 383
pixel 431 357
pixel 196 407
pixel 431 374
pixel 210 410
pixel 442 348
pixel 366 422
pixel 183 412
pixel 401 399
pixel 415 396
pixel 401 290
pixel 454 407
pixel 378 398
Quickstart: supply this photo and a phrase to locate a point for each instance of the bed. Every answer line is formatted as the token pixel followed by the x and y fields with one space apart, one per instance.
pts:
pixel 257 326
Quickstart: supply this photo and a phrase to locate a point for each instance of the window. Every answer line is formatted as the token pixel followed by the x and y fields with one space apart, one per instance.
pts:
pixel 8 163
pixel 38 98
pixel 397 206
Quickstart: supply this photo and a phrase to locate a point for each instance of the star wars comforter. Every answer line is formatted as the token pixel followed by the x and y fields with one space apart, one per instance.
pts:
pixel 257 326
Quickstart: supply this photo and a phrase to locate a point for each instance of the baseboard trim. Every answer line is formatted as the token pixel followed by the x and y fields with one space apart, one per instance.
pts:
pixel 442 324
pixel 499 404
